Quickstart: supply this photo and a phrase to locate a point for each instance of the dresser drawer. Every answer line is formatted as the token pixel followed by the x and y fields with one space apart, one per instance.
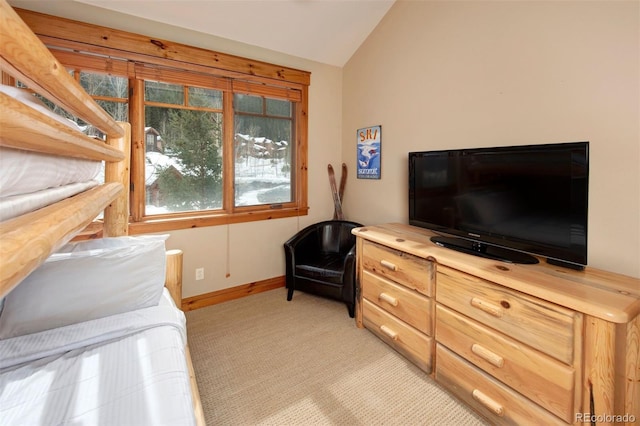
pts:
pixel 542 325
pixel 408 305
pixel 415 346
pixel 539 377
pixel 411 271
pixel 495 401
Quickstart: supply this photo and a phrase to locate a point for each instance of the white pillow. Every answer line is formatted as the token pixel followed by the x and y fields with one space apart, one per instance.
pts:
pixel 87 280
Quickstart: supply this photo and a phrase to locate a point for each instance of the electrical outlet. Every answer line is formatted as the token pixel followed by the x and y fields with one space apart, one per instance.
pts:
pixel 199 274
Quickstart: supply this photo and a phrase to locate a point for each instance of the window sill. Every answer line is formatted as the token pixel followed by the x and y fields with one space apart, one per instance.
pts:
pixel 164 225
pixel 94 229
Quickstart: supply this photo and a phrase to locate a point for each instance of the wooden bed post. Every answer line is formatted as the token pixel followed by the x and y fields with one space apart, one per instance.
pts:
pixel 173 279
pixel 116 215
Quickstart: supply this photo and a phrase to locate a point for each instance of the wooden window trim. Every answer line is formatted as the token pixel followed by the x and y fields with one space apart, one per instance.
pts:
pixel 64 32
pixel 134 56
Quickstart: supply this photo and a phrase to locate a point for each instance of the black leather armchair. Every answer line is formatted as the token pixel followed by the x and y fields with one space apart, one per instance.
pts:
pixel 320 259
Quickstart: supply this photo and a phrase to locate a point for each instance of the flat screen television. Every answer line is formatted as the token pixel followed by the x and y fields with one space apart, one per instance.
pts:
pixel 513 203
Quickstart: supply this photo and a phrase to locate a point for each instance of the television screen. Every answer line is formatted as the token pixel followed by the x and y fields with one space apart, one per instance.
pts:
pixel 528 199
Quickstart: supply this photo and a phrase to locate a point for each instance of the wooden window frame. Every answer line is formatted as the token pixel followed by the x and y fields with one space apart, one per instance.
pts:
pixel 139 57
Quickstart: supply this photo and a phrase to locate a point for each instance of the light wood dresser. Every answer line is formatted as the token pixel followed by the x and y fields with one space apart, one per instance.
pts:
pixel 520 344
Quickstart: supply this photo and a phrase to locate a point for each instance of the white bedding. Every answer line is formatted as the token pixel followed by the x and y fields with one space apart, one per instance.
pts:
pixel 126 369
pixel 27 173
pixel 17 205
pixel 24 172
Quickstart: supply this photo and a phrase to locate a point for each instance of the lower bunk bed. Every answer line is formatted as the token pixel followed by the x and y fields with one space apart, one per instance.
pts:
pixel 84 340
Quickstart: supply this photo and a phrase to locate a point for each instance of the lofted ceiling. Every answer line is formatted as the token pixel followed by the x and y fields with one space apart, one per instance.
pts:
pixel 326 31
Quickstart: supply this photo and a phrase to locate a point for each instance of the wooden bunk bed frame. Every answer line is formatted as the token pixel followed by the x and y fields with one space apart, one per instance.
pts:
pixel 26 241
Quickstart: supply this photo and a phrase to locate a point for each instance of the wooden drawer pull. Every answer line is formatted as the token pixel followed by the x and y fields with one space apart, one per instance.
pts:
pixel 389 299
pixel 388 265
pixel 488 402
pixel 487 307
pixel 487 355
pixel 389 332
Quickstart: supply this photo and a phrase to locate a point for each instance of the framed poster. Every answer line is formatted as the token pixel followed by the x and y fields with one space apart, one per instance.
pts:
pixel 368 141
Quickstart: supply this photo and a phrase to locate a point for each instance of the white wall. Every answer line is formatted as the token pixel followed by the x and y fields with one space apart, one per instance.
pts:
pixel 248 252
pixel 441 75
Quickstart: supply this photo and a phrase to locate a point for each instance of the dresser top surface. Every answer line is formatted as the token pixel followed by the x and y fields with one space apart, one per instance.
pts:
pixel 607 295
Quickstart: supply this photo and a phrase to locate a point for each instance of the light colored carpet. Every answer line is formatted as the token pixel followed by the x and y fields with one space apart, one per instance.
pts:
pixel 261 360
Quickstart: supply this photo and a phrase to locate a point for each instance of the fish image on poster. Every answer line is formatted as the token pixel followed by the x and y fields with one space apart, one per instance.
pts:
pixel 369 140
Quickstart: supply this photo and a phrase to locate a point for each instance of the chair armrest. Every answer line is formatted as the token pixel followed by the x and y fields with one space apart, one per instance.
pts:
pixel 298 244
pixel 350 258
pixel 349 276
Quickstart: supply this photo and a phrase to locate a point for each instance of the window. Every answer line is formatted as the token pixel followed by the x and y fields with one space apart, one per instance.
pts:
pixel 262 150
pixel 215 138
pixel 109 91
pixel 183 167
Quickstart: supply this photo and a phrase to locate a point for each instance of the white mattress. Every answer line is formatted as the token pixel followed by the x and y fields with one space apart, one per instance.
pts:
pixel 126 369
pixel 26 172
pixel 17 205
pixel 23 172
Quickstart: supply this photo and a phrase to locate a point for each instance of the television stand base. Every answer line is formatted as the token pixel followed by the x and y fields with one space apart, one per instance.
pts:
pixel 484 250
pixel 563 264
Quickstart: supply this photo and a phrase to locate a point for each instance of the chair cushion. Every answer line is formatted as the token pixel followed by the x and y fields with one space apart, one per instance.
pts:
pixel 325 267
